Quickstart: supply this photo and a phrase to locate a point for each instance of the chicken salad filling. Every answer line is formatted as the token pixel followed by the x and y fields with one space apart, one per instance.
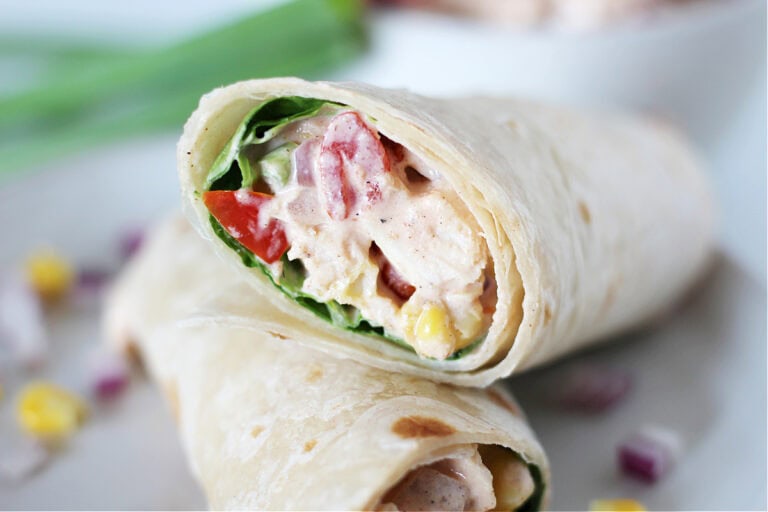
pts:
pixel 353 226
pixel 474 477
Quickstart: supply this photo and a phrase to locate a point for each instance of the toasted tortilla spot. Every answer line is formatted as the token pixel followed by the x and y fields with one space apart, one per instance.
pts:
pixel 278 335
pixel 419 426
pixel 586 216
pixel 610 294
pixel 130 349
pixel 547 314
pixel 171 392
pixel 309 445
pixel 255 431
pixel 502 401
pixel 314 374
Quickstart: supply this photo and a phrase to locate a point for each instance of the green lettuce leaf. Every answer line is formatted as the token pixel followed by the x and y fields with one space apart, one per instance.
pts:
pixel 259 126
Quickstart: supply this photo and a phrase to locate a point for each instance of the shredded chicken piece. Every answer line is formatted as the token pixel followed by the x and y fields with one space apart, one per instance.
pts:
pixel 453 483
pixel 471 478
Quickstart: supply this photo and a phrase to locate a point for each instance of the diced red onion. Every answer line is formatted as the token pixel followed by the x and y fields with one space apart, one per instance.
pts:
pixel 26 459
pixel 22 325
pixel 593 389
pixel 92 279
pixel 648 454
pixel 304 159
pixel 130 243
pixel 90 285
pixel 109 374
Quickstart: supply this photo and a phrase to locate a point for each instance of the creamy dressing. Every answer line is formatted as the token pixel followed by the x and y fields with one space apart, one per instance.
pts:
pixel 419 224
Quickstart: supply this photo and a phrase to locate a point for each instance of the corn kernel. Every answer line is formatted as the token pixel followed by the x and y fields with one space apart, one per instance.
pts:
pixel 49 274
pixel 620 505
pixel 432 336
pixel 432 324
pixel 48 411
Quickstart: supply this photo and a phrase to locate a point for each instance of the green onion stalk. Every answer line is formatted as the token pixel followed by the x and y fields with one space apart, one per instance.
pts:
pixel 101 95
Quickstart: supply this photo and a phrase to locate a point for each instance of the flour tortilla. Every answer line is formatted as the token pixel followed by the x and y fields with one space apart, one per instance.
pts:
pixel 271 425
pixel 595 222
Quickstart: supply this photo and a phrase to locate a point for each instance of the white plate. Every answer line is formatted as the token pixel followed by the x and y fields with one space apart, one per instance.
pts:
pixel 702 373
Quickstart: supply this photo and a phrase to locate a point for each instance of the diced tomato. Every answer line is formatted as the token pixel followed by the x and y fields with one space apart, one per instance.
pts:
pixel 348 142
pixel 389 276
pixel 336 192
pixel 402 288
pixel 395 151
pixel 238 213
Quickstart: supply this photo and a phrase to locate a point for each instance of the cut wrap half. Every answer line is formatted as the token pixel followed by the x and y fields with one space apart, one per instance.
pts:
pixel 457 239
pixel 268 424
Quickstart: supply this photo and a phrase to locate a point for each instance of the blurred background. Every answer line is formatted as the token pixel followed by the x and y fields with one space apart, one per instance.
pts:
pixel 93 96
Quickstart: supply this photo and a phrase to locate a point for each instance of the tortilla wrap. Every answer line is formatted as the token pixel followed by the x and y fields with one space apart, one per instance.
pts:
pixel 593 222
pixel 269 424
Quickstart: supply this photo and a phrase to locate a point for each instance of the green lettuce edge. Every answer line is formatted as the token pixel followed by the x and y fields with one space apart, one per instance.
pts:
pixel 535 500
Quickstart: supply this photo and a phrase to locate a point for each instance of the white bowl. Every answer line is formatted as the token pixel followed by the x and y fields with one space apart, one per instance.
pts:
pixel 693 63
